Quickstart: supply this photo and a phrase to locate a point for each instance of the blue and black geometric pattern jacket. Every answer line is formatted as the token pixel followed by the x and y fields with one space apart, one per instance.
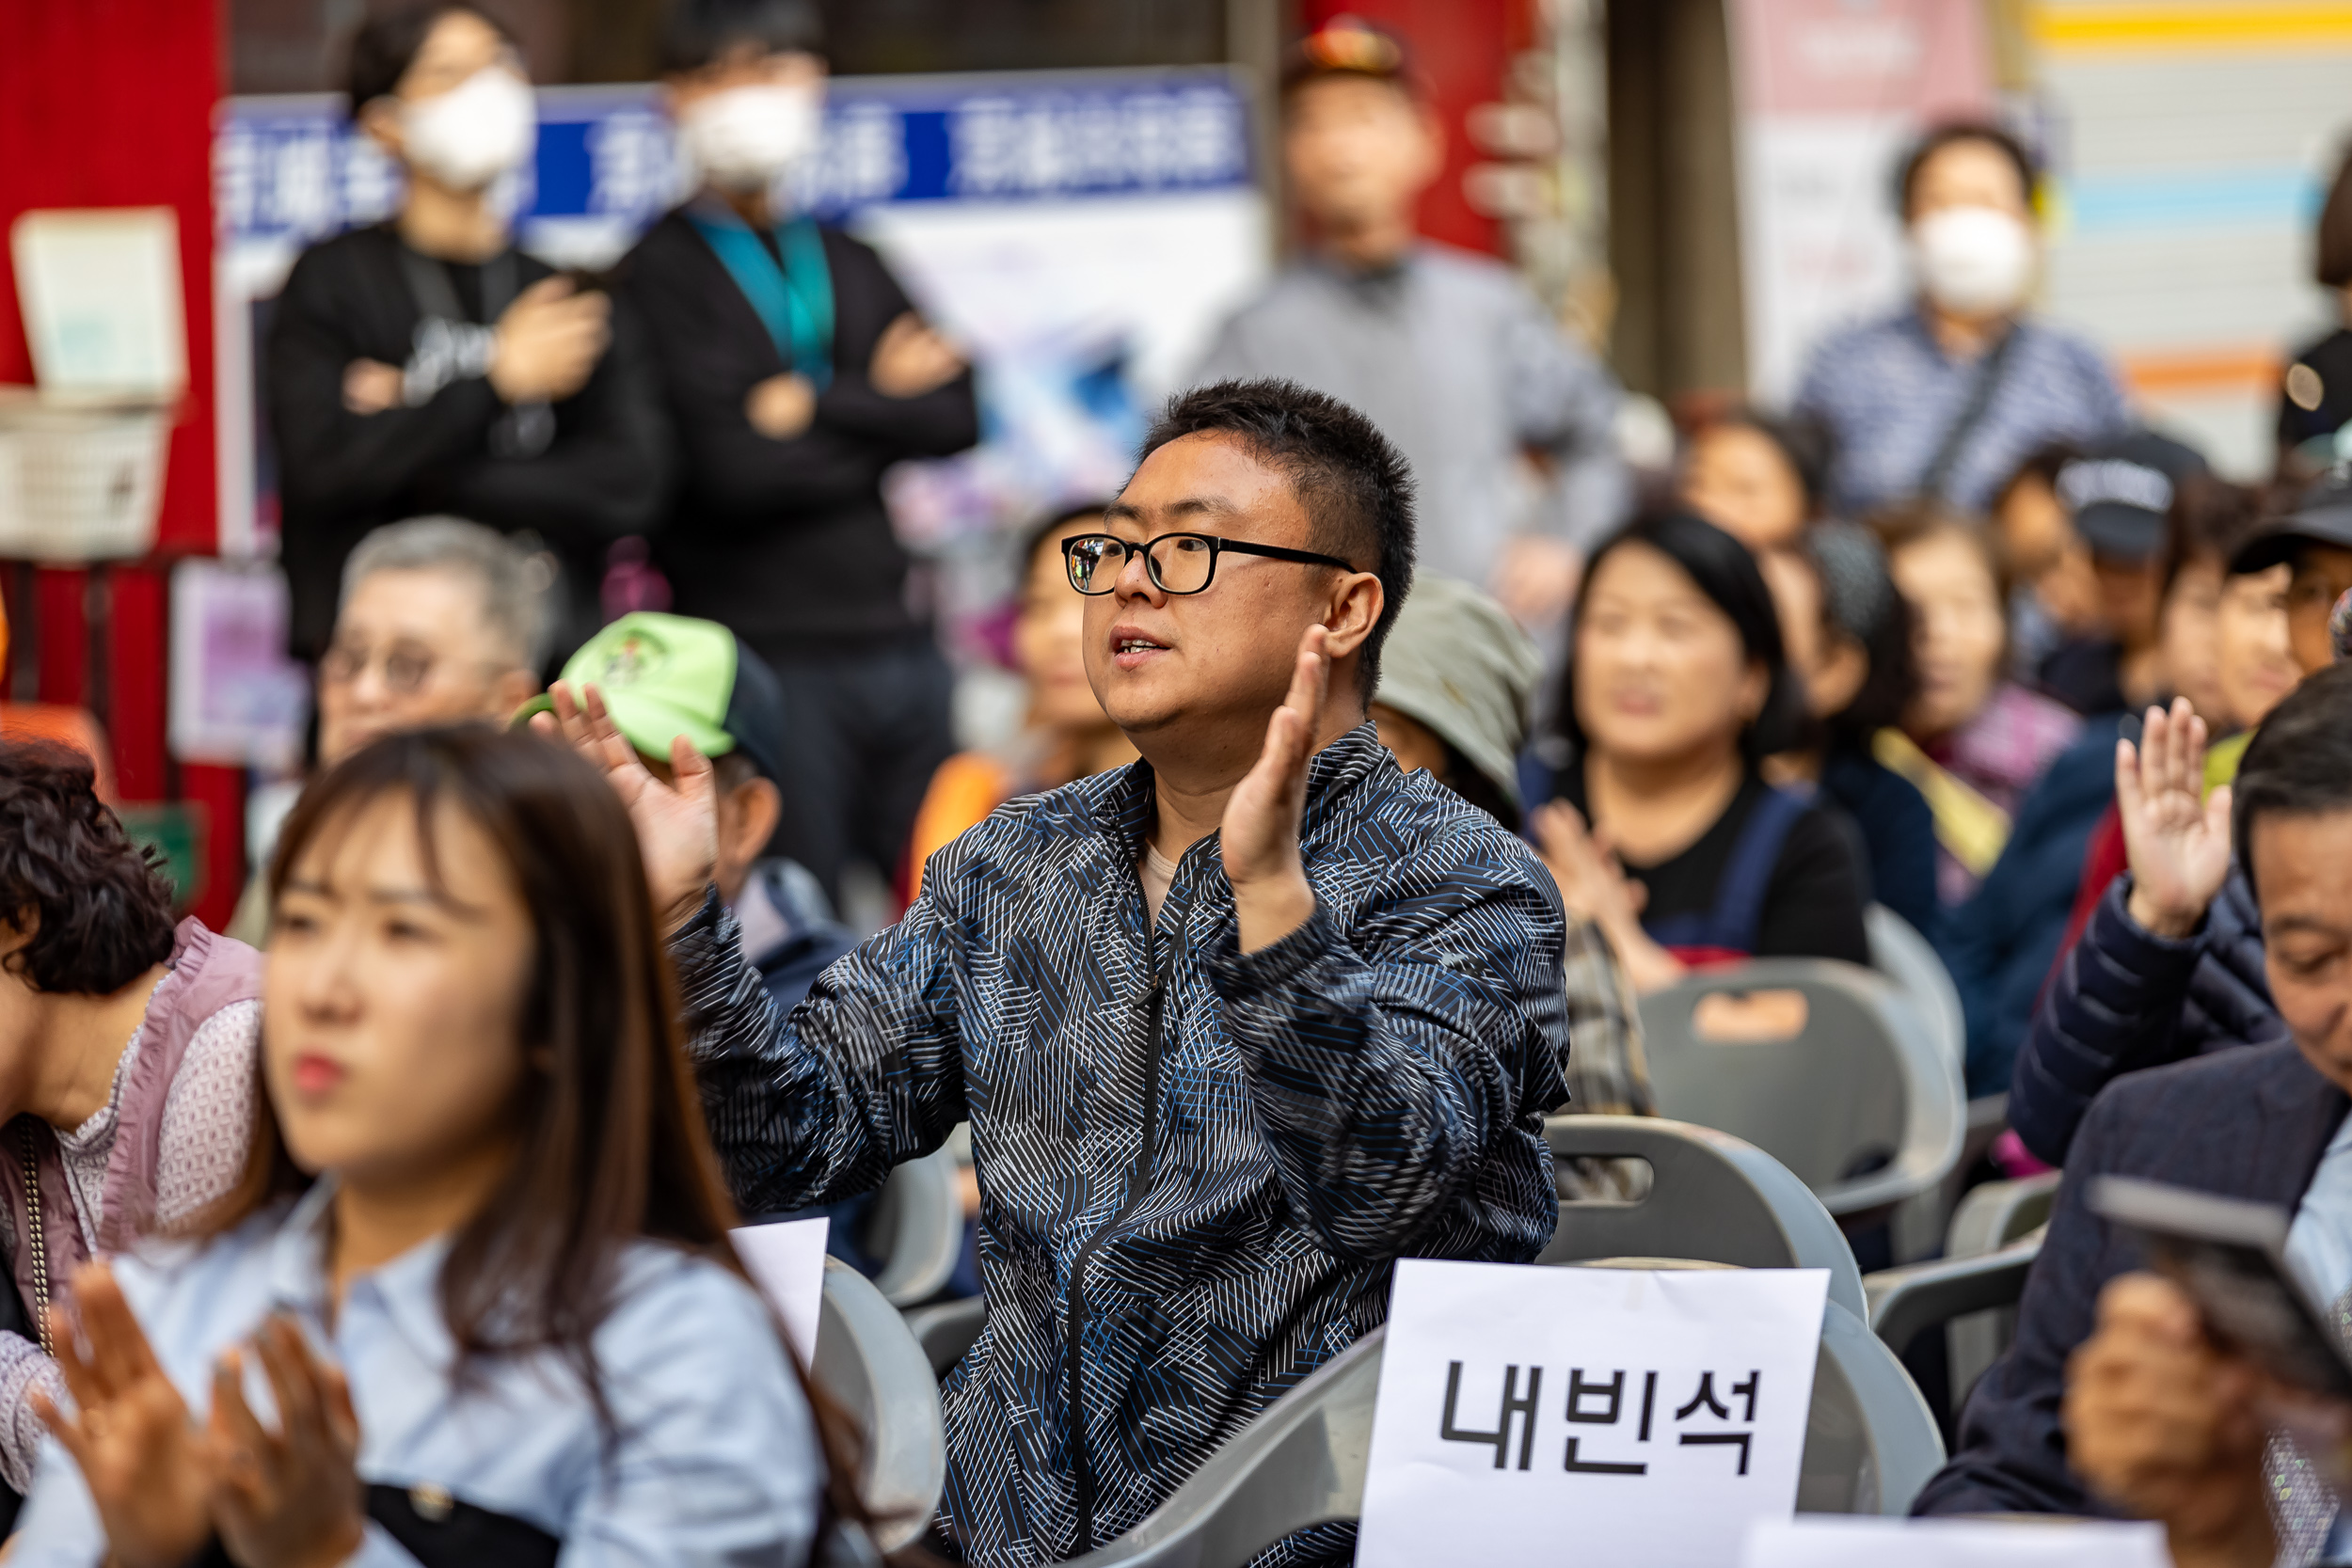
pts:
pixel 1197 1167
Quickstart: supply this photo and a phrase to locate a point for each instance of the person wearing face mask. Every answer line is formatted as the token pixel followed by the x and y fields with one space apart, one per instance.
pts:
pixel 796 370
pixel 425 365
pixel 1447 352
pixel 1942 400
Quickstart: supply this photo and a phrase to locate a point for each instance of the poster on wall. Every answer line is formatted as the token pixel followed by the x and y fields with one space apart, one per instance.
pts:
pixel 1828 94
pixel 1082 233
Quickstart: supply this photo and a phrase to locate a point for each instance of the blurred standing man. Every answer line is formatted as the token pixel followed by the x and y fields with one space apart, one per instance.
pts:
pixel 1944 399
pixel 797 372
pixel 425 365
pixel 1445 351
pixel 1235 1027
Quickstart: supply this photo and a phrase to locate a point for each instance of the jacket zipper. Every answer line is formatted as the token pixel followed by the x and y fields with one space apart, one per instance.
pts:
pixel 1139 1183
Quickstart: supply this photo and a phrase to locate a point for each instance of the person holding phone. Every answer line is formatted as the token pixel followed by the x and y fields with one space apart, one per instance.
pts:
pixel 2264 1124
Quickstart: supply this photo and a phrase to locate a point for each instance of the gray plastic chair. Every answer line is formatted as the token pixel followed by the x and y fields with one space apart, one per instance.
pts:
pixel 1998 1213
pixel 917 1229
pixel 1988 1220
pixel 1712 1197
pixel 1908 1301
pixel 1865 1080
pixel 1870 1442
pixel 1870 1446
pixel 871 1366
pixel 1899 952
pixel 946 1329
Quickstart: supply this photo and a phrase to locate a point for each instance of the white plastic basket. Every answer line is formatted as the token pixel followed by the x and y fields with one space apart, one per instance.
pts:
pixel 80 482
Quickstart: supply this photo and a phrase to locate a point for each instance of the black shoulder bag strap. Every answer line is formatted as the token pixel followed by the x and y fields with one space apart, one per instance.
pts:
pixel 1970 417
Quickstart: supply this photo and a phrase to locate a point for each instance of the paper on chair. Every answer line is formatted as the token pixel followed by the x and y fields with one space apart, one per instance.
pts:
pixel 1634 1418
pixel 788 1262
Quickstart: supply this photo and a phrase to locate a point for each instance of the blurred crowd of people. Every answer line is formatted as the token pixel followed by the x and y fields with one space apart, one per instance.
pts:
pixel 1387 733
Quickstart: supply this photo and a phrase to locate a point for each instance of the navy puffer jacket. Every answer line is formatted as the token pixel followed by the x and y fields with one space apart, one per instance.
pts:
pixel 2126 998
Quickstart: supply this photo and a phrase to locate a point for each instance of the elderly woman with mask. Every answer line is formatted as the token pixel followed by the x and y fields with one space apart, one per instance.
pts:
pixel 1943 399
pixel 425 365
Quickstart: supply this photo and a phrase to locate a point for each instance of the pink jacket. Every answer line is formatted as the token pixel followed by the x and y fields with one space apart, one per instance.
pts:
pixel 208 974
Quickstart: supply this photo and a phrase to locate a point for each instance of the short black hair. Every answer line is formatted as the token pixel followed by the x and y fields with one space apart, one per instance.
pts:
pixel 1803 442
pixel 2043 464
pixel 1726 573
pixel 2209 518
pixel 1353 484
pixel 384 47
pixel 1952 132
pixel 697 33
pixel 2299 764
pixel 102 902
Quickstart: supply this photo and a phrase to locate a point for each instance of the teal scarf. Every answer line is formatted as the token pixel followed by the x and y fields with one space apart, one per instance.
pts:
pixel 793 301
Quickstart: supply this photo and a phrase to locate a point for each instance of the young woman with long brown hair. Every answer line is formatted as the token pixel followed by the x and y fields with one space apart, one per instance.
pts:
pixel 478 1262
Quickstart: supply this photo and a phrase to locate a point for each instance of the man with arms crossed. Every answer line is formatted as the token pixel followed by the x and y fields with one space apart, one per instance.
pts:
pixel 1235 1027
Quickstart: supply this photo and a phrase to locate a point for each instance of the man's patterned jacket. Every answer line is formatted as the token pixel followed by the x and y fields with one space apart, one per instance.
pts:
pixel 1197 1167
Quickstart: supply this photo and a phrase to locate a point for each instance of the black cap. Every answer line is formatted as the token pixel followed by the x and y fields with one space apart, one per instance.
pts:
pixel 2323 516
pixel 2120 490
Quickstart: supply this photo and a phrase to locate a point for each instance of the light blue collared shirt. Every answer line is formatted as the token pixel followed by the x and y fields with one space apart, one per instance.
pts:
pixel 715 1458
pixel 2319 1242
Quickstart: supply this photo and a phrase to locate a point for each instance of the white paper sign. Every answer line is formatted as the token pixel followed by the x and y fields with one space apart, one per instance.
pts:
pixel 1649 1417
pixel 102 297
pixel 1822 1541
pixel 788 1262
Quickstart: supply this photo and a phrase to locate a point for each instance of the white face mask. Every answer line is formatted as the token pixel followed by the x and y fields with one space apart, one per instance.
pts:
pixel 1973 261
pixel 470 134
pixel 745 138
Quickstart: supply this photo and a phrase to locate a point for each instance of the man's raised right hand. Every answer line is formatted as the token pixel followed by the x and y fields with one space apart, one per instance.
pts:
pixel 677 823
pixel 2177 844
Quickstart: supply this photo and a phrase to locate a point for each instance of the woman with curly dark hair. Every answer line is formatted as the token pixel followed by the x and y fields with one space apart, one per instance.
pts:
pixel 127 1054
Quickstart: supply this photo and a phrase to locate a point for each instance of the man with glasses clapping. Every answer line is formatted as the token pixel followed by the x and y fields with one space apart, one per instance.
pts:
pixel 1234 1026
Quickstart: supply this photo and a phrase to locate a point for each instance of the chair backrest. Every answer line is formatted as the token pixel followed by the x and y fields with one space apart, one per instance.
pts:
pixel 1300 1463
pixel 946 1329
pixel 1995 1214
pixel 1870 1446
pixel 1899 952
pixel 1870 1441
pixel 1711 1197
pixel 871 1365
pixel 1861 1102
pixel 1993 1219
pixel 917 1229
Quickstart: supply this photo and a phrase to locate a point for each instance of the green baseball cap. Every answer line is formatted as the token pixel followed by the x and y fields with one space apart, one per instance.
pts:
pixel 666 675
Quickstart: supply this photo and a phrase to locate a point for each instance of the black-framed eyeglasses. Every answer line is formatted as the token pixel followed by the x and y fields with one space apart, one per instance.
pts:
pixel 1179 562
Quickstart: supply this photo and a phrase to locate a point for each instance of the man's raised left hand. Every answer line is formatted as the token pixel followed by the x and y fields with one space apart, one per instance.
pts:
pixel 1259 838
